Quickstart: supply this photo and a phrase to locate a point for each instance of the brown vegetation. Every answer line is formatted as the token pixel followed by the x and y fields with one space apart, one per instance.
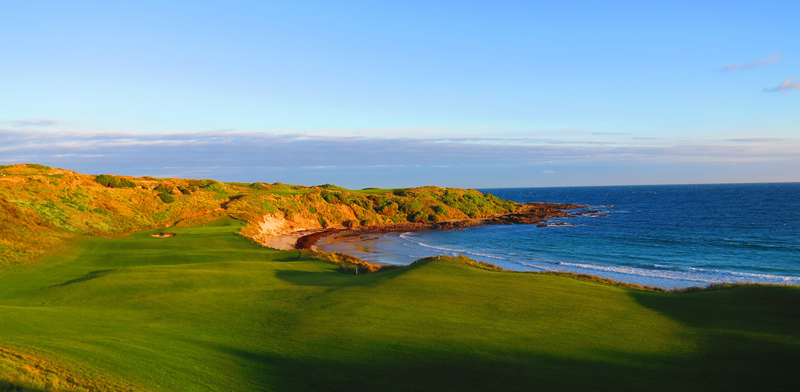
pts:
pixel 23 373
pixel 41 207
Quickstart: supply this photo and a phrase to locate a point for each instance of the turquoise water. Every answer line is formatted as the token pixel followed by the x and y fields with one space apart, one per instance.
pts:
pixel 668 236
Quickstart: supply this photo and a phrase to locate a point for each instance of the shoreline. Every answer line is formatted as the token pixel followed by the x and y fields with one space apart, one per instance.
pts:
pixel 369 245
pixel 363 246
pixel 370 249
pixel 287 241
pixel 531 213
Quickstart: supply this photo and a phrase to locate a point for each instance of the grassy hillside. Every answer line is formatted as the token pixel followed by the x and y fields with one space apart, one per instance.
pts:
pixel 208 310
pixel 41 207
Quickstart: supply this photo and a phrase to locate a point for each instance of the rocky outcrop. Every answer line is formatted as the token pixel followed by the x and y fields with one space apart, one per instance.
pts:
pixel 534 213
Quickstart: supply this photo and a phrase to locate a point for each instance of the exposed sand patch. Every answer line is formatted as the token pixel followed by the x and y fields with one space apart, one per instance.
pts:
pixel 276 230
pixel 285 241
pixel 278 224
pixel 162 235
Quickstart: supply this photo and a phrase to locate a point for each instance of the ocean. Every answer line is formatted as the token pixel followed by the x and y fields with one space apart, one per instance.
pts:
pixel 669 236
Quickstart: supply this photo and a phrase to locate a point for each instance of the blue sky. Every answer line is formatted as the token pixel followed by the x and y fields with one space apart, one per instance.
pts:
pixel 372 93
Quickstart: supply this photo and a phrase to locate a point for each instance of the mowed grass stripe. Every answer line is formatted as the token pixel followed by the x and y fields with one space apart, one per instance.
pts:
pixel 209 310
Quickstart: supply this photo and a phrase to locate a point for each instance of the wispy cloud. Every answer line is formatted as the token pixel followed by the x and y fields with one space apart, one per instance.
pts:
pixel 759 140
pixel 784 87
pixel 371 161
pixel 763 62
pixel 296 150
pixel 29 123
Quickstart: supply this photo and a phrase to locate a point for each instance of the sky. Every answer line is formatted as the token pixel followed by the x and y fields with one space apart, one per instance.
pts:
pixel 396 94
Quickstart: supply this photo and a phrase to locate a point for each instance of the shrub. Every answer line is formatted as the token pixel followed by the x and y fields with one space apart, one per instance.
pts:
pixel 184 190
pixel 505 204
pixel 114 182
pixel 105 180
pixel 387 209
pixel 451 198
pixel 411 206
pixel 329 186
pixel 202 183
pixel 216 188
pixel 417 216
pixel 166 197
pixel 166 188
pixel 367 204
pixel 329 197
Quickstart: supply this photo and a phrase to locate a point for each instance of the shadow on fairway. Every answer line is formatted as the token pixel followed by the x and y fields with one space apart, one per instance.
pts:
pixel 339 279
pixel 7 386
pixel 89 276
pixel 409 368
pixel 747 336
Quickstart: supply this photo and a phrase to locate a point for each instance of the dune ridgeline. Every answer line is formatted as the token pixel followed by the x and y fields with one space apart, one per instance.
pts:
pixel 42 207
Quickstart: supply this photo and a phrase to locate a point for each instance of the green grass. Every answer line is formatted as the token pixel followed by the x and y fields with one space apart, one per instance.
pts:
pixel 287 192
pixel 374 191
pixel 208 310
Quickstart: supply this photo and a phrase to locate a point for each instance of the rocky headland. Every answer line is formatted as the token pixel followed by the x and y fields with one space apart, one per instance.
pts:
pixel 526 214
pixel 43 208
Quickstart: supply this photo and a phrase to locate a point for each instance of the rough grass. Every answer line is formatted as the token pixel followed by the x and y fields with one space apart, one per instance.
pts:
pixel 24 373
pixel 209 310
pixel 41 207
pixel 374 191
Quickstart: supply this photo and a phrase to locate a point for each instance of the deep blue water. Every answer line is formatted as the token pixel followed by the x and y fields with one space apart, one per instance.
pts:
pixel 667 236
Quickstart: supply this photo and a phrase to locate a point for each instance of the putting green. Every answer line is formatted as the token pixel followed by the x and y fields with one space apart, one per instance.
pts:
pixel 207 310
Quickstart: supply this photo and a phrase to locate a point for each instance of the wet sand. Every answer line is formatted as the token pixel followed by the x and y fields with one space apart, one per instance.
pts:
pixel 362 245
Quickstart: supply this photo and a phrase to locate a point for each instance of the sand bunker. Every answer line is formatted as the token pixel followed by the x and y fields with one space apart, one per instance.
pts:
pixel 162 235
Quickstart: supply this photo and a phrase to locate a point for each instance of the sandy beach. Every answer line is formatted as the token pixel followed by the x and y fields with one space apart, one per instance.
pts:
pixel 287 241
pixel 356 241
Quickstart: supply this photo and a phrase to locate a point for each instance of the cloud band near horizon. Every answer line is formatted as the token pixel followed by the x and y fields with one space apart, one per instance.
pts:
pixel 241 156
